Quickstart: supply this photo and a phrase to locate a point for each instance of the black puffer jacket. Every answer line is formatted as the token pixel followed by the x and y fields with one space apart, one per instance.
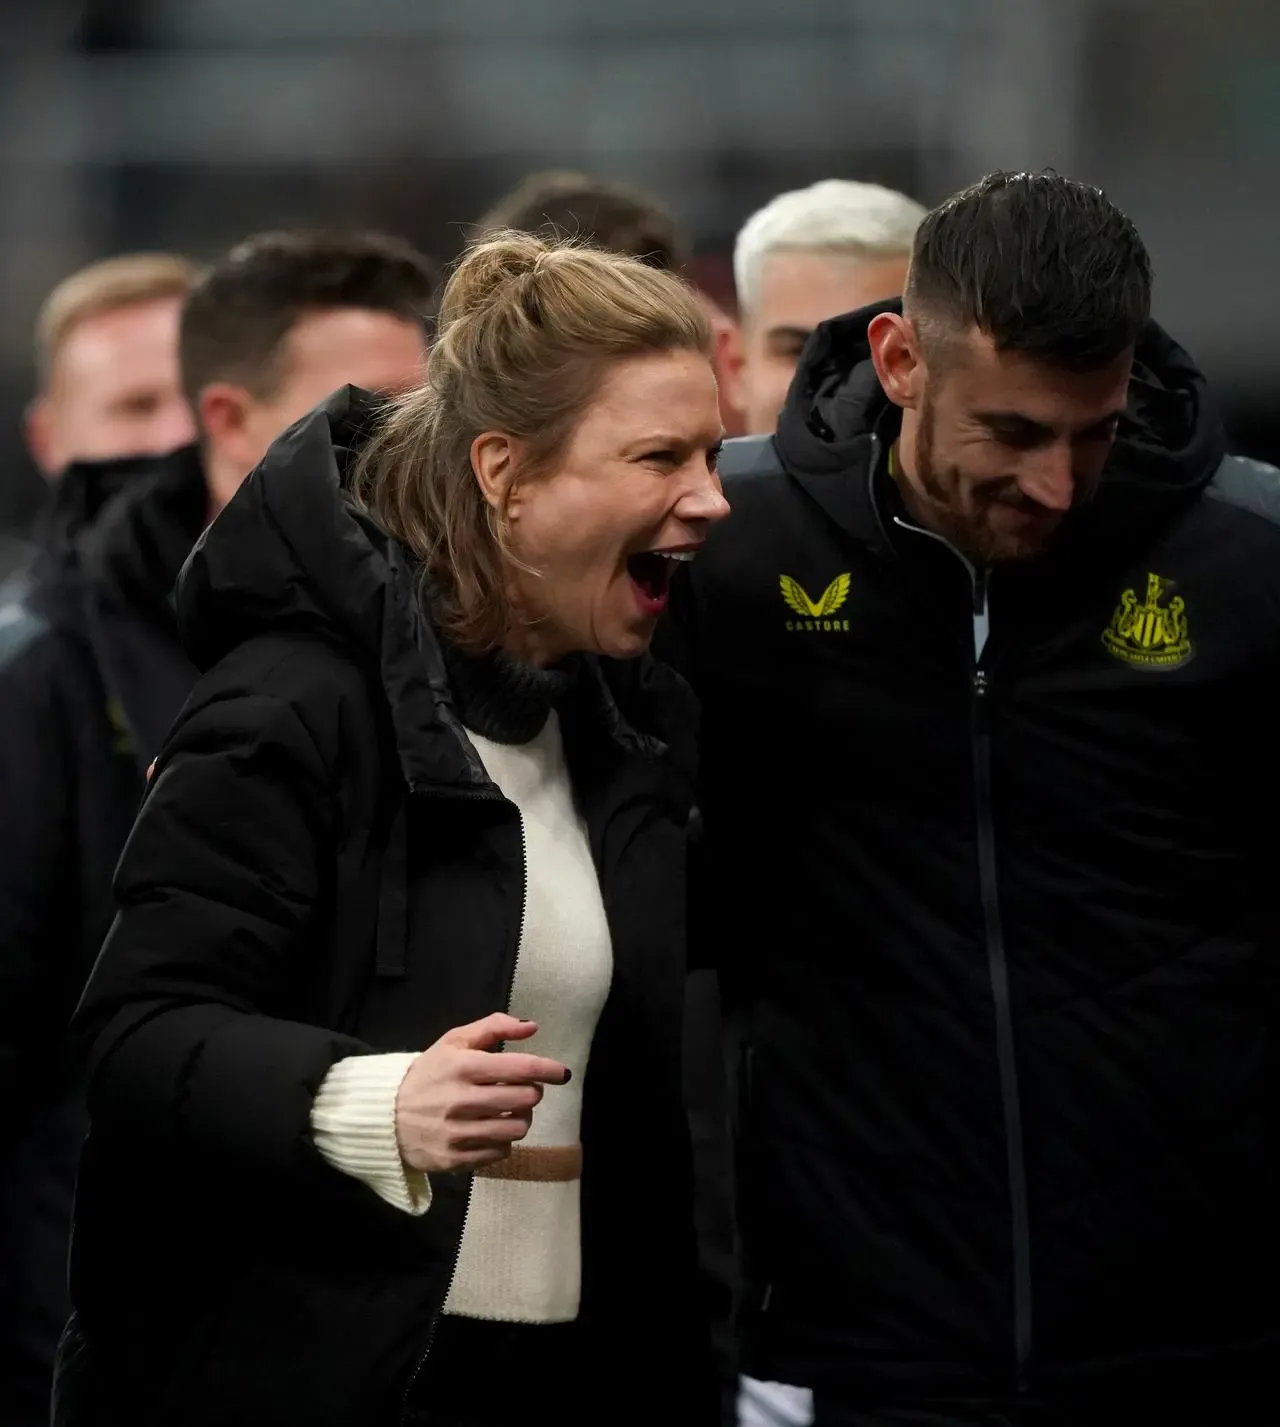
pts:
pixel 323 868
pixel 996 923
pixel 91 676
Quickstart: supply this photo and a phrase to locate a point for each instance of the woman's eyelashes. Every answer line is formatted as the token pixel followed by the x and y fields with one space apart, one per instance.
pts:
pixel 670 459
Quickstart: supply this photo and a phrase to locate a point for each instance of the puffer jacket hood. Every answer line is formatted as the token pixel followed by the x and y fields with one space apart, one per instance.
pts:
pixel 292 551
pixel 1171 440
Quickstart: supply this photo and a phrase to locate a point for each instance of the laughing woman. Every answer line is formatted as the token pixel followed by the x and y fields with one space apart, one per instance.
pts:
pixel 387 1122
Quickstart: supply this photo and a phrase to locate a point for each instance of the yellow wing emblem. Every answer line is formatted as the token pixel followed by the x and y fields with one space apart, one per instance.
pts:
pixel 796 598
pixel 832 597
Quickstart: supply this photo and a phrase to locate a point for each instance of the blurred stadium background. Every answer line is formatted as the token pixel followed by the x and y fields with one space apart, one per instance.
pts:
pixel 185 124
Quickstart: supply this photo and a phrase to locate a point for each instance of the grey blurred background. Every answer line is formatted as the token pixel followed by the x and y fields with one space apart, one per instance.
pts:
pixel 186 124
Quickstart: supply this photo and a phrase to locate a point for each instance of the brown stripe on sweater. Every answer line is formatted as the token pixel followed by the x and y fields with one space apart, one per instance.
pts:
pixel 537 1164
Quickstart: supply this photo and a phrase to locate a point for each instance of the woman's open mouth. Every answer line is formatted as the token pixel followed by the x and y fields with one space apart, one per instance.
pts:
pixel 651 572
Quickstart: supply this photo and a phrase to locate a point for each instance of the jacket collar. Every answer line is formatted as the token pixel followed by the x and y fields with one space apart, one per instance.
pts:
pixel 292 551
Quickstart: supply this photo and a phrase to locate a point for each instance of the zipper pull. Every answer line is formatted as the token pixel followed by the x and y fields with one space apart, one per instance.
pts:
pixel 979 683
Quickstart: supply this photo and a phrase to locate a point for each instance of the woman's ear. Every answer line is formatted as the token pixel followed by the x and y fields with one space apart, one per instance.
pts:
pixel 493 462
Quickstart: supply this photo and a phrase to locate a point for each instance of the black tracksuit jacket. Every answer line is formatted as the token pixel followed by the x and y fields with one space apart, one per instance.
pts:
pixel 989 865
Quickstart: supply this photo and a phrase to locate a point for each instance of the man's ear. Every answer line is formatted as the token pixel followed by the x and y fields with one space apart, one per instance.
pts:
pixel 895 351
pixel 224 411
pixel 37 426
pixel 731 359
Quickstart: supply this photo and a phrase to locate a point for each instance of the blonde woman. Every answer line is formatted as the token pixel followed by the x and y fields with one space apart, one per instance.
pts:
pixel 387 1123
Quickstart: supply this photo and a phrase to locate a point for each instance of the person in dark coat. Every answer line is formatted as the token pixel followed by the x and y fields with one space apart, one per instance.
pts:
pixel 993 911
pixel 92 673
pixel 108 378
pixel 385 1040
pixel 107 386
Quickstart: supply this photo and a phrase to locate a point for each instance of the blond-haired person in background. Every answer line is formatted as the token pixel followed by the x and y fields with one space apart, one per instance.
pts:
pixel 107 363
pixel 106 367
pixel 806 256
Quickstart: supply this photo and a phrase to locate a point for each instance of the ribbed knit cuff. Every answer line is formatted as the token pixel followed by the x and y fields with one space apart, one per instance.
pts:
pixel 353 1123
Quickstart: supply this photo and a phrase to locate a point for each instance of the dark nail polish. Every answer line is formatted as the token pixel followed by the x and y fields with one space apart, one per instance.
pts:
pixel 568 1076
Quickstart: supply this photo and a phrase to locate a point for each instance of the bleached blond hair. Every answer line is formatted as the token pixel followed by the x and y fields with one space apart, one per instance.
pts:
pixel 837 215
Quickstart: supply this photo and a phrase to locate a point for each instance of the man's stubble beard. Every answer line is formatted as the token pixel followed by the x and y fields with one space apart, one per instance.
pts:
pixel 967 533
pixel 939 494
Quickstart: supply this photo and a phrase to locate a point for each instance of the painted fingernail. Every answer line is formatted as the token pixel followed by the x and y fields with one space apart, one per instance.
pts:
pixel 568 1076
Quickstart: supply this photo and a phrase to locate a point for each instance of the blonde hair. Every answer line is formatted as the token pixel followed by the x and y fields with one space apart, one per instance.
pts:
pixel 527 332
pixel 107 286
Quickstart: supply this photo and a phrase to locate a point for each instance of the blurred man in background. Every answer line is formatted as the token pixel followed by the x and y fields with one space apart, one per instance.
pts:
pixel 92 674
pixel 107 363
pixel 560 202
pixel 804 257
pixel 106 359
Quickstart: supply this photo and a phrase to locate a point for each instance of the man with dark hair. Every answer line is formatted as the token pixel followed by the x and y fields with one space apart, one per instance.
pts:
pixel 287 318
pixel 990 260
pixel 92 674
pixel 563 204
pixel 992 910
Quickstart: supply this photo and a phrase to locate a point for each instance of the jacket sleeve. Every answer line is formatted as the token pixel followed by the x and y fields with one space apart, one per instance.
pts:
pixel 219 900
pixel 37 943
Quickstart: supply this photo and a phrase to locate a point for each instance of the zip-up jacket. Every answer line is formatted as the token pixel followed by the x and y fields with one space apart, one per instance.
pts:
pixel 322 868
pixel 989 880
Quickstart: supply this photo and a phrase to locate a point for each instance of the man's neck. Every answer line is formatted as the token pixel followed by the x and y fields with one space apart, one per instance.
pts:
pixel 924 514
pixel 902 469
pixel 222 479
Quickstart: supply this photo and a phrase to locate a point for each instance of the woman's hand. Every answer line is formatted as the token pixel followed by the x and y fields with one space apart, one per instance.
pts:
pixel 462 1105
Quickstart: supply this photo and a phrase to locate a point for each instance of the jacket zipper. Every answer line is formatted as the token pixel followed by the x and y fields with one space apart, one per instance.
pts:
pixel 998 971
pixel 466 1208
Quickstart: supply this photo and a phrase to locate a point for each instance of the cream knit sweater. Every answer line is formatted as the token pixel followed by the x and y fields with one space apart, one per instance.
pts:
pixel 520 1258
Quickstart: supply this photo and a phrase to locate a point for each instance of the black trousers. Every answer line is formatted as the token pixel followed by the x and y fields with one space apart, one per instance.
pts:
pixel 482 1374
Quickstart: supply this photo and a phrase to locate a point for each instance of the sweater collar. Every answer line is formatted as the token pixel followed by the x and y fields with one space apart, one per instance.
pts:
pixel 500 697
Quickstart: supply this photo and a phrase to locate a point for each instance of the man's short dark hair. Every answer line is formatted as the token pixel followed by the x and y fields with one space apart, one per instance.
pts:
pixel 1040 263
pixel 562 204
pixel 236 319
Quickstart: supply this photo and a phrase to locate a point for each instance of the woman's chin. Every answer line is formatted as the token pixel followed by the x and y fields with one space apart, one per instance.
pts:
pixel 624 643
